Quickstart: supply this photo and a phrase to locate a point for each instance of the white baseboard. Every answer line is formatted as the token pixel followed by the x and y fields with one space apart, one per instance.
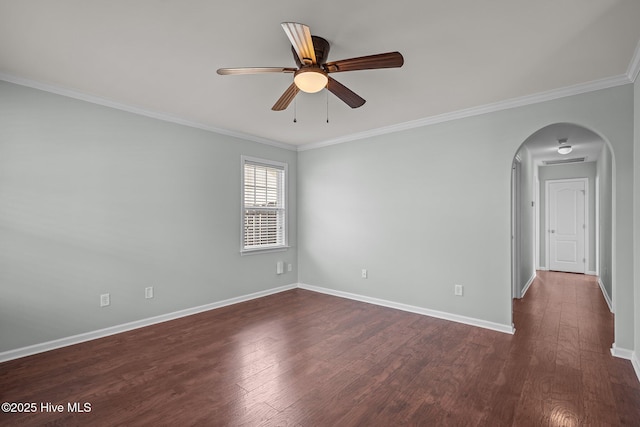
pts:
pixel 631 355
pixel 526 287
pixel 508 329
pixel 606 297
pixel 591 273
pixel 112 330
pixel 622 353
pixel 635 361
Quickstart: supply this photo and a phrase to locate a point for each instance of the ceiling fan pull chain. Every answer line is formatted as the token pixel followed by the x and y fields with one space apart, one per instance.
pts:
pixel 327 92
pixel 295 111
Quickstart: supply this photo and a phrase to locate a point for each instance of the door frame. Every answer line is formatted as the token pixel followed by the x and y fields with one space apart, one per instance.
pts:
pixel 516 225
pixel 586 219
pixel 536 220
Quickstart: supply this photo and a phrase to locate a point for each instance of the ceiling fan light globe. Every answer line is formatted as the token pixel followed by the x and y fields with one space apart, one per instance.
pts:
pixel 564 149
pixel 310 80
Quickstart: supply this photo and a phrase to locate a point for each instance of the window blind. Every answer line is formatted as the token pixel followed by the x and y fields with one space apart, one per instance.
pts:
pixel 264 212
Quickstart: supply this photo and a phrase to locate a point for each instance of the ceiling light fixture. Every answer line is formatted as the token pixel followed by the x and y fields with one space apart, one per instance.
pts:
pixel 311 79
pixel 564 148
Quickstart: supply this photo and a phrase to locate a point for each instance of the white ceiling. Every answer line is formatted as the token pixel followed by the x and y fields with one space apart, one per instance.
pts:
pixel 161 56
pixel 543 145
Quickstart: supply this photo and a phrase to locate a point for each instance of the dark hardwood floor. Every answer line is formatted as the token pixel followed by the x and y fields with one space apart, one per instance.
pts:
pixel 303 358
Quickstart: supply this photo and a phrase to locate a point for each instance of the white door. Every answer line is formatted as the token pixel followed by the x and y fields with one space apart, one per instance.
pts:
pixel 567 227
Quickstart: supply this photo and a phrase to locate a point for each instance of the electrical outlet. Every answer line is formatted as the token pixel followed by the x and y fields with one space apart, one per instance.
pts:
pixel 364 273
pixel 457 290
pixel 148 292
pixel 289 267
pixel 105 300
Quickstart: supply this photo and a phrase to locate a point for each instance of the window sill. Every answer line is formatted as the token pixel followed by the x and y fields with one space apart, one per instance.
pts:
pixel 256 251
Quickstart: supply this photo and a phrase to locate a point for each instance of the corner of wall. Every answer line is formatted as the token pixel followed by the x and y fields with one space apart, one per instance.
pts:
pixel 636 207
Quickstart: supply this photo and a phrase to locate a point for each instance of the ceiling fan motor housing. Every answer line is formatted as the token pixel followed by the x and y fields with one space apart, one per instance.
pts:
pixel 321 48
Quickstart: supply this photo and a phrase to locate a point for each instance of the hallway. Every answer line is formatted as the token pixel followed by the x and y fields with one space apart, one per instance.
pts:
pixel 564 324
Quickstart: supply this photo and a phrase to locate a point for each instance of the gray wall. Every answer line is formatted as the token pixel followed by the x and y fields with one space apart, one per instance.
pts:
pixel 427 208
pixel 579 170
pixel 604 169
pixel 96 200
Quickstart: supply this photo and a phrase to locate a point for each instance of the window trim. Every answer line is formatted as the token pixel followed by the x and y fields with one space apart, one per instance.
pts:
pixel 285 241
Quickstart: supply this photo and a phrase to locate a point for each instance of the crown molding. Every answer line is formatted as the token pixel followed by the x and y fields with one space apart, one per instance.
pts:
pixel 138 110
pixel 634 64
pixel 476 111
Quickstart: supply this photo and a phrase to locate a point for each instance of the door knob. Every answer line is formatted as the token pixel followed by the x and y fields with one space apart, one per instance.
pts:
pixel 553 231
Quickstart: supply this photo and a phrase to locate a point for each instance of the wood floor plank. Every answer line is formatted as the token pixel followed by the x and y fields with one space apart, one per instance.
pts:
pixel 568 354
pixel 301 358
pixel 627 398
pixel 595 378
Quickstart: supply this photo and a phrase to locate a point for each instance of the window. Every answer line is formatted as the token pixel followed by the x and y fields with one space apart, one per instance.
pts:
pixel 264 208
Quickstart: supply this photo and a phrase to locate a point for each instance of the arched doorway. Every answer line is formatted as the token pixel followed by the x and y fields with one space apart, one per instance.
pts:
pixel 537 163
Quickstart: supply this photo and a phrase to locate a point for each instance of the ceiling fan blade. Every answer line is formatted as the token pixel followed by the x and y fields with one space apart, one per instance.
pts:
pixel 300 37
pixel 371 62
pixel 286 98
pixel 254 70
pixel 349 97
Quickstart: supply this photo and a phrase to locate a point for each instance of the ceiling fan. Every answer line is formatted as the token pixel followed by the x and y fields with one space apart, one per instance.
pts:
pixel 310 53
